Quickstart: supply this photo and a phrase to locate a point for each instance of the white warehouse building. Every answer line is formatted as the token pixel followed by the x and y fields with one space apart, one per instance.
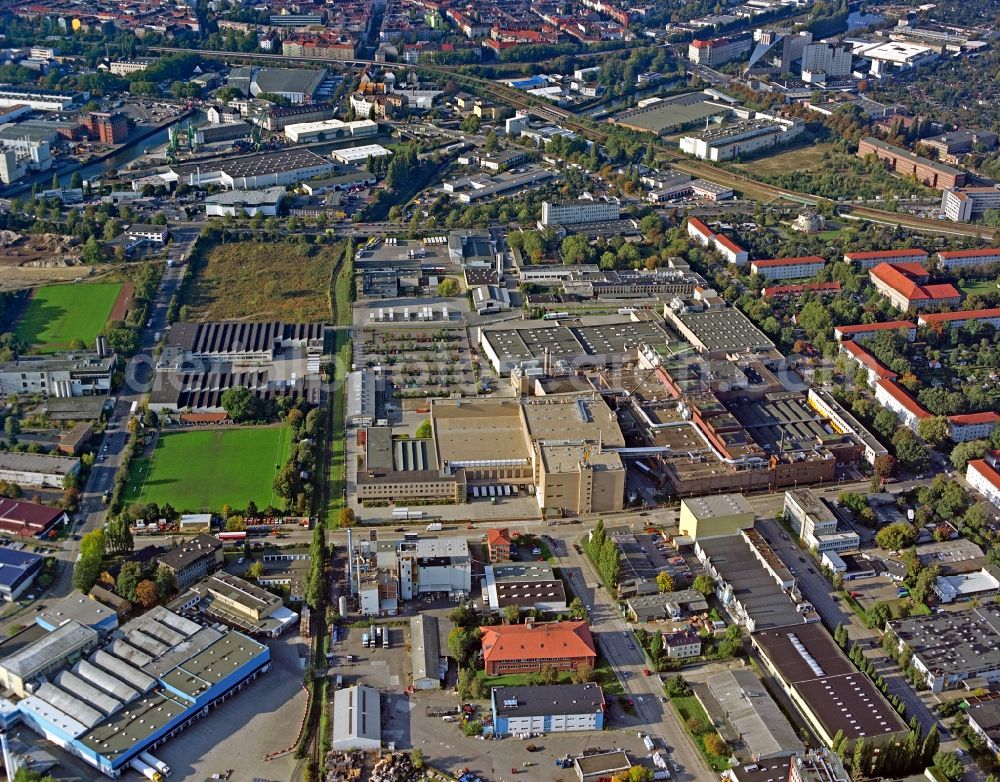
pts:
pixel 742 138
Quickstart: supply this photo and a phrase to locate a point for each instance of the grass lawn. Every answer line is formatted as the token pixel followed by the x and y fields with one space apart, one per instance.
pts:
pixel 687 707
pixel 916 609
pixel 603 674
pixel 59 314
pixel 264 281
pixel 204 470
pixel 978 287
pixel 779 163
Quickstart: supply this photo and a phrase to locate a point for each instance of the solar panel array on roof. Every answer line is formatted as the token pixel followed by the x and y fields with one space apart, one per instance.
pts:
pixel 123 670
pixel 77 687
pixel 104 680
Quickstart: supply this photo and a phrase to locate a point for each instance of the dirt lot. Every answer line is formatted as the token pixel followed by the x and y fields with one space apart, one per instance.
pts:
pixel 28 261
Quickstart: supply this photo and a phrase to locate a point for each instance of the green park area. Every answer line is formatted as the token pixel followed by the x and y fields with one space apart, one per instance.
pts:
pixel 206 469
pixel 978 287
pixel 57 315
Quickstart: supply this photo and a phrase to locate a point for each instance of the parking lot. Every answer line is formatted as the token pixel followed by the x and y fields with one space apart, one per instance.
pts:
pixel 645 554
pixel 446 747
pixel 384 669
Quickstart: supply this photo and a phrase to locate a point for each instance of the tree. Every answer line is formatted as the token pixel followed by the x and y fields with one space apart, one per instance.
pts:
pixel 840 636
pixel 166 582
pixel 878 615
pixel 91 252
pixel 346 518
pixel 696 724
pixel 88 565
pixel 471 124
pixel 885 423
pixel 665 581
pixel 146 593
pixel 634 774
pixel 128 580
pixel 949 764
pixel 676 687
pixel 715 744
pixel 512 613
pixel 584 673
pixel 885 466
pixel 577 609
pixel 256 570
pixel 656 646
pixel 26 775
pixel 462 643
pixel 935 431
pixel 424 431
pixel 909 450
pixel 923 584
pixel 931 745
pixel 118 536
pixel 548 675
pixel 238 402
pixel 576 249
pixel 448 287
pixel 705 584
pixel 417 758
pixel 963 453
pixel 896 537
pixel 236 524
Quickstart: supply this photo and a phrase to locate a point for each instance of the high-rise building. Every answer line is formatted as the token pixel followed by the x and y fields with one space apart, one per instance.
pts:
pixel 822 61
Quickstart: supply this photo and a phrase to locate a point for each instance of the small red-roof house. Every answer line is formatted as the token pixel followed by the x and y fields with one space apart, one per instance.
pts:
pixel 528 648
pixel 498 544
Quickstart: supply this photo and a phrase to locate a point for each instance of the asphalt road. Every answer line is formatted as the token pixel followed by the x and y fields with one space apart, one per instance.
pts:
pixel 615 639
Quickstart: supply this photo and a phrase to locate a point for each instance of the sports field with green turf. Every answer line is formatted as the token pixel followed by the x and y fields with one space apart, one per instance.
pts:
pixel 203 470
pixel 59 314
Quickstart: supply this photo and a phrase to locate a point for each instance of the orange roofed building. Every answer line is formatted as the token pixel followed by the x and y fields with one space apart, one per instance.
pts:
pixel 530 647
pixel 905 285
pixel 498 544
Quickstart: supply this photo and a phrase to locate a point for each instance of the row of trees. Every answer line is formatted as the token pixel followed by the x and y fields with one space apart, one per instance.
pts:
pixel 294 481
pixel 604 553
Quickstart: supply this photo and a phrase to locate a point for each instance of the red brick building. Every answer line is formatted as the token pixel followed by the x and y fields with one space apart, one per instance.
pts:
pixel 904 162
pixel 107 127
pixel 530 647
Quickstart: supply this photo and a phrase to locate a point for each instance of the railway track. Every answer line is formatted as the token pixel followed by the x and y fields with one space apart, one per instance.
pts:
pixel 544 110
